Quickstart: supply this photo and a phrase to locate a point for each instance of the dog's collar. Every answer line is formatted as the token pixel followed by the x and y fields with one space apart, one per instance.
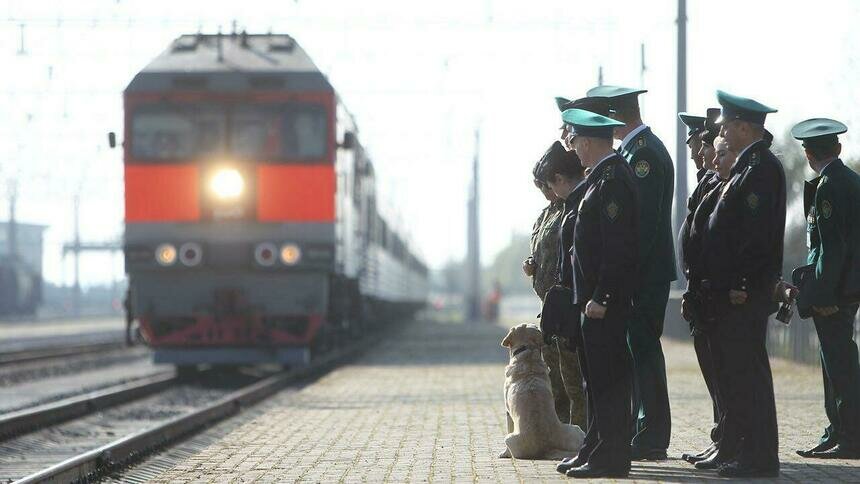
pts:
pixel 520 350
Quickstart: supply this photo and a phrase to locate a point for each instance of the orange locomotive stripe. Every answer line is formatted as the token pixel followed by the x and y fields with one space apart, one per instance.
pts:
pixel 295 193
pixel 162 193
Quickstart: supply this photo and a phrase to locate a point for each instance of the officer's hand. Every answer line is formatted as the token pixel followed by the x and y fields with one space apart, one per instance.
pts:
pixel 529 267
pixel 737 297
pixel 785 292
pixel 594 310
pixel 825 310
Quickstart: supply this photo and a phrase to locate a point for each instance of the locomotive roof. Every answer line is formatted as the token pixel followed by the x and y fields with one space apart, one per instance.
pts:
pixel 231 62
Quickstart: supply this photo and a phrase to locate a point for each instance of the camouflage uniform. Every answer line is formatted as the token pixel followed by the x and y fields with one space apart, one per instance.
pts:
pixel 565 377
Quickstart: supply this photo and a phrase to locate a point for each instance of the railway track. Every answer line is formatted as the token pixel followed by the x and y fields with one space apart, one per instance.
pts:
pixel 52 352
pixel 86 448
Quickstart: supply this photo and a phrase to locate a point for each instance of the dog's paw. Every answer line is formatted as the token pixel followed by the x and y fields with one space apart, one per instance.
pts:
pixel 506 454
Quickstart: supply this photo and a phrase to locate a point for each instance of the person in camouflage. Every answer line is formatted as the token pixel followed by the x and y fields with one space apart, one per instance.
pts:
pixel 542 266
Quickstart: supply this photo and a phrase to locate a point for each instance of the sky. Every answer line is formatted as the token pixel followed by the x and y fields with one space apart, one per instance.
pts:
pixel 420 79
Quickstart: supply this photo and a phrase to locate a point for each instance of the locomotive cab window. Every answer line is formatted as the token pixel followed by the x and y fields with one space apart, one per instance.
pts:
pixel 174 132
pixel 292 131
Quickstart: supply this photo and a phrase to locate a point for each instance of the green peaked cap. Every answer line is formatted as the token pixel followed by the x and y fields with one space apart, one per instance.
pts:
pixel 586 123
pixel 817 127
pixel 743 108
pixel 613 91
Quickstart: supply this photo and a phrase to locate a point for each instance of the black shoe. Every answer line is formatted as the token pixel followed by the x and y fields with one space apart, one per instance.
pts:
pixel 838 452
pixel 570 463
pixel 711 463
pixel 693 458
pixel 736 469
pixel 818 448
pixel 588 471
pixel 648 454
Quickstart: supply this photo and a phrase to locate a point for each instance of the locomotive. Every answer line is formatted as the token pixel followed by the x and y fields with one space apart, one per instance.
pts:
pixel 252 233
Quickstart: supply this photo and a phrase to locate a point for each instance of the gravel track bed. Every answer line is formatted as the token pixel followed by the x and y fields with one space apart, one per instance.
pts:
pixel 35 451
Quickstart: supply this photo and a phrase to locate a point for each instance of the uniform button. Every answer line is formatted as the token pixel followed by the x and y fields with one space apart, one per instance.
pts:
pixel 607 296
pixel 744 288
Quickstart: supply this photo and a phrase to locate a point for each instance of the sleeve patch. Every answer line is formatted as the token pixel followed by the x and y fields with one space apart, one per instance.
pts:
pixel 642 168
pixel 612 209
pixel 826 209
pixel 752 201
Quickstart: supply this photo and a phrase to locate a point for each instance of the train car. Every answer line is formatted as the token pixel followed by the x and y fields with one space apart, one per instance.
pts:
pixel 252 233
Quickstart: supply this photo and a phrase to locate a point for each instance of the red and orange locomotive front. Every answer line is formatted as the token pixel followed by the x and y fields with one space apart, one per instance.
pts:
pixel 231 154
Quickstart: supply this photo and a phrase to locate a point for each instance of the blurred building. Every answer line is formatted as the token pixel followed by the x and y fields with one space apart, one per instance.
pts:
pixel 20 267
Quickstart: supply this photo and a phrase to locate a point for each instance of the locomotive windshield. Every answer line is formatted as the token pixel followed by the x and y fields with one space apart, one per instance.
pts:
pixel 170 132
pixel 282 132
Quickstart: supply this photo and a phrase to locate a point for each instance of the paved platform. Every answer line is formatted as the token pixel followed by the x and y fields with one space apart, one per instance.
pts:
pixel 426 405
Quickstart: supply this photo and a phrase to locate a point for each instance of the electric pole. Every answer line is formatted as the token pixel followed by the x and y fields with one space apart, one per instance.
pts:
pixel 680 138
pixel 473 252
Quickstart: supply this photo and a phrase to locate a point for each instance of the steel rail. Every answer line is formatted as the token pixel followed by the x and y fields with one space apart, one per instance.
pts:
pixel 37 354
pixel 22 421
pixel 123 451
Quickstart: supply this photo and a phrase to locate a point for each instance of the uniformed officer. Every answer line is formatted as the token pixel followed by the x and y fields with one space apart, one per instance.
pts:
pixel 831 287
pixel 604 257
pixel 744 243
pixel 558 172
pixel 655 177
pixel 704 157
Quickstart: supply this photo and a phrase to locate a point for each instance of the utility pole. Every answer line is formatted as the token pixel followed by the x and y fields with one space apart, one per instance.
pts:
pixel 599 75
pixel 473 252
pixel 680 145
pixel 76 297
pixel 13 228
pixel 642 66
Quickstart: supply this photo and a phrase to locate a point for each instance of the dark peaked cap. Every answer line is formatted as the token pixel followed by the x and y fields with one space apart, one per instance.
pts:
pixel 695 124
pixel 595 104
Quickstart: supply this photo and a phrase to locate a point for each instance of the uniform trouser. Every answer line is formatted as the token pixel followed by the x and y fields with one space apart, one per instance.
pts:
pixel 652 423
pixel 749 432
pixel 702 345
pixel 566 380
pixel 841 370
pixel 606 366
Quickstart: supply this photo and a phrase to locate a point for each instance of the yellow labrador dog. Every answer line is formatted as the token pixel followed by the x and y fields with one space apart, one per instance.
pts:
pixel 534 431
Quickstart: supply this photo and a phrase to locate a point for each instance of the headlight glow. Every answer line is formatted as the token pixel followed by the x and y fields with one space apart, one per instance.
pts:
pixel 227 184
pixel 290 254
pixel 165 255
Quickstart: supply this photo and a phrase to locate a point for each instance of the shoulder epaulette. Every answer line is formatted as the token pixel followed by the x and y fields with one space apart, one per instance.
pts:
pixel 609 172
pixel 755 157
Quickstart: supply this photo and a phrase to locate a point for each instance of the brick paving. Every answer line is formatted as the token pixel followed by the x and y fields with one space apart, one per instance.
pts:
pixel 426 405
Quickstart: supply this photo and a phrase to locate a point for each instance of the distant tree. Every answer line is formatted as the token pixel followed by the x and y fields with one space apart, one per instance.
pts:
pixel 507 267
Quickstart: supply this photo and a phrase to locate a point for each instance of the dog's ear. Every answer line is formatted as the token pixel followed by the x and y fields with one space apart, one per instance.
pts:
pixel 507 341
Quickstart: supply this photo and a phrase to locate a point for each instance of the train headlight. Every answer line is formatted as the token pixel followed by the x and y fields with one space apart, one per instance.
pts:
pixel 290 254
pixel 190 254
pixel 165 255
pixel 265 254
pixel 227 184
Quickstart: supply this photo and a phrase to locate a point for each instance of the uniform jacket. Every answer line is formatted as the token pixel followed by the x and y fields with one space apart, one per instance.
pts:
pixel 744 236
pixel 565 234
pixel 604 235
pixel 544 247
pixel 832 206
pixel 707 179
pixel 655 176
